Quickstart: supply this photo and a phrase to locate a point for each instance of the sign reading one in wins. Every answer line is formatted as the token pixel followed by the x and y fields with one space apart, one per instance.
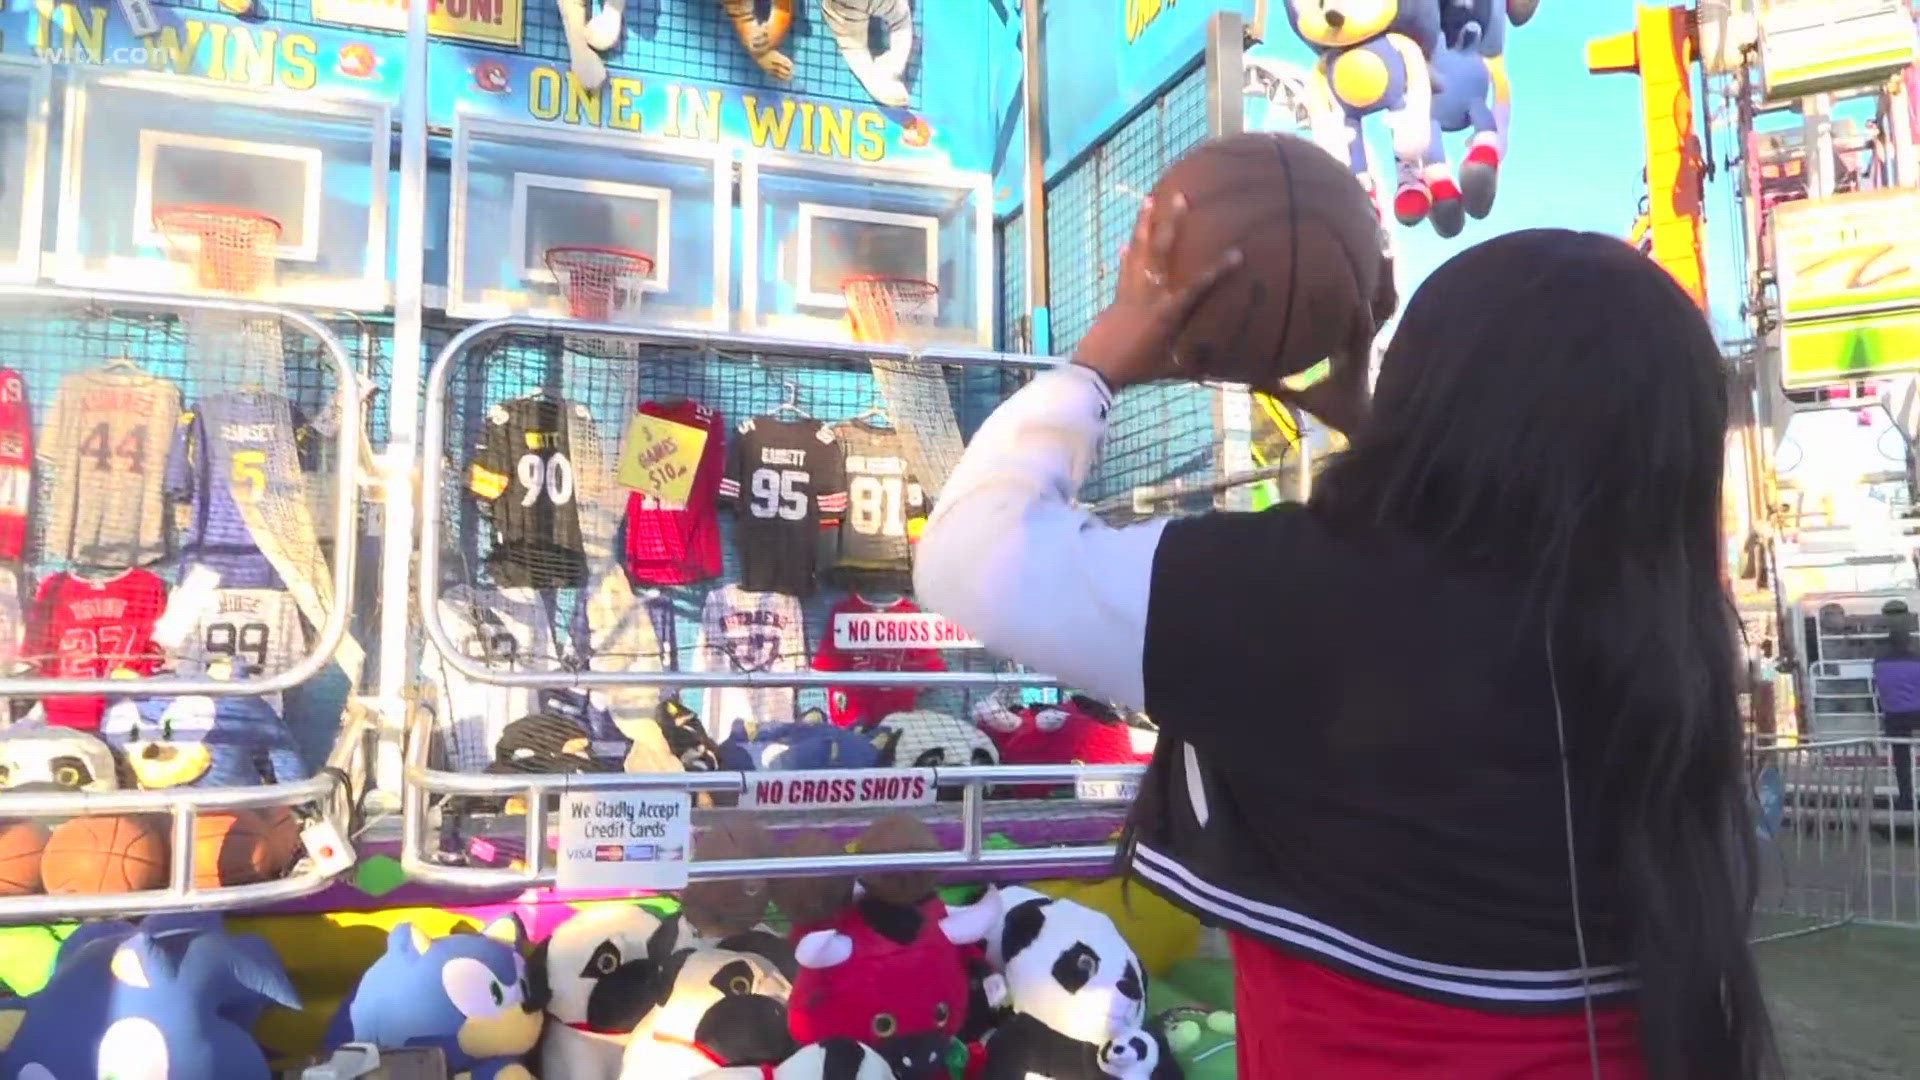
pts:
pixel 1848 272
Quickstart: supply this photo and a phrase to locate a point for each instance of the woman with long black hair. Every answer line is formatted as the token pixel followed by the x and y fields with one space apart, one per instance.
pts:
pixel 1452 750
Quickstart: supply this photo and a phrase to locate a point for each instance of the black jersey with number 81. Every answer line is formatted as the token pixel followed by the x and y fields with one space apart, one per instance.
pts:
pixel 523 477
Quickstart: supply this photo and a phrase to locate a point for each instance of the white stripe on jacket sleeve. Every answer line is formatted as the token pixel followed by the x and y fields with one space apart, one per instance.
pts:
pixel 1008 556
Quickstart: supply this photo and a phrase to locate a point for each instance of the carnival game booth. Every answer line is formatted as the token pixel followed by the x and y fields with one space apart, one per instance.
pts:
pixel 182 456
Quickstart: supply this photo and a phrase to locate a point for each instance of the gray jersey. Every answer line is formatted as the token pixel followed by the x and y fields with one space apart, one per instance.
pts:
pixel 743 632
pixel 103 453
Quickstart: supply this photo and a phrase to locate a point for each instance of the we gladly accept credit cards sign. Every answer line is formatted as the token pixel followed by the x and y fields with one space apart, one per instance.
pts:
pixel 624 840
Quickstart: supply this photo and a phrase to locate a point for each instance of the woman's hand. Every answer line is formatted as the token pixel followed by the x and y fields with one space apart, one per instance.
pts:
pixel 1132 340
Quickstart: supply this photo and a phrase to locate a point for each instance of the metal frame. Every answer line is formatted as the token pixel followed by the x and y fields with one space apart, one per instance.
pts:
pixel 978 186
pixel 657 280
pixel 369 291
pixel 538 867
pixel 309 157
pixel 25 266
pixel 434 455
pixel 328 637
pixel 468 127
pixel 812 213
pixel 331 789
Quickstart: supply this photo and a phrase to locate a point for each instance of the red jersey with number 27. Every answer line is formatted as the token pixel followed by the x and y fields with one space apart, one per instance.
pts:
pixel 679 545
pixel 865 706
pixel 88 629
pixel 16 463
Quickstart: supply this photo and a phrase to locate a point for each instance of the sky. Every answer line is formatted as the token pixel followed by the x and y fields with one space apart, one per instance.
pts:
pixel 1575 153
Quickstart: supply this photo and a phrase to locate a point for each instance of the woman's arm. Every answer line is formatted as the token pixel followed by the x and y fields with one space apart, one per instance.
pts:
pixel 1008 556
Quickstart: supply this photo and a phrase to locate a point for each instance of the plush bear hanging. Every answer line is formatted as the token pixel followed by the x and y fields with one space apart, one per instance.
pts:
pixel 761 37
pixel 884 74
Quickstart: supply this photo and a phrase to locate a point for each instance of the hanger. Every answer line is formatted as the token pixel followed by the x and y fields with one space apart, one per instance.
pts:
pixel 121 363
pixel 792 402
pixel 876 411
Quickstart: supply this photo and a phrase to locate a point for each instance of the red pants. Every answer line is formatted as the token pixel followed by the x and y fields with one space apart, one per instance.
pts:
pixel 1298 1020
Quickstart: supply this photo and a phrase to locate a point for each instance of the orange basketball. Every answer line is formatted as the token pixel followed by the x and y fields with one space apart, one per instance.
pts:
pixel 232 849
pixel 105 855
pixel 283 837
pixel 21 846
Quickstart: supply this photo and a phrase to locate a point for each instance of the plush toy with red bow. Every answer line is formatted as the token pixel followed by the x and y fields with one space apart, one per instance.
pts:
pixel 835 1059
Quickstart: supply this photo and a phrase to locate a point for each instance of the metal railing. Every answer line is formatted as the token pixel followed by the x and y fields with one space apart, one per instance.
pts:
pixel 433 479
pixel 332 630
pixel 425 784
pixel 1840 843
pixel 330 793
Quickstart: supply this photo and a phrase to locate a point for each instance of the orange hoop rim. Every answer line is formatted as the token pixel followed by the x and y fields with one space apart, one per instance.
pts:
pixel 907 284
pixel 210 212
pixel 640 262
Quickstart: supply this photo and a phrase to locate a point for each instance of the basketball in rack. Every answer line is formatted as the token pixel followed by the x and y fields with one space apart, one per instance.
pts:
pixel 603 285
pixel 885 310
pixel 229 250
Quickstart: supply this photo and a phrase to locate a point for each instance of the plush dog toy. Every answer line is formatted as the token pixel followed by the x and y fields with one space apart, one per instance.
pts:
pixel 598 975
pixel 173 999
pixel 716 1006
pixel 466 994
pixel 834 1059
pixel 1076 992
pixel 55 759
pixel 1373 58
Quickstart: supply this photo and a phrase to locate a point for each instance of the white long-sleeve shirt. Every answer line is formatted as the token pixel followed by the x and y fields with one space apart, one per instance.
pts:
pixel 1008 555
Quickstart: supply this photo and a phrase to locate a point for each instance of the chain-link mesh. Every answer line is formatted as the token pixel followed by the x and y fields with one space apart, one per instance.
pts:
pixel 902 312
pixel 175 509
pixel 547 591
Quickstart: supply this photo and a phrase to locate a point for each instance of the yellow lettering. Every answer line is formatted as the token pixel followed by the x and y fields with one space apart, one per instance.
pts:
pixel 672 130
pixel 217 55
pixel 543 94
pixel 1142 12
pixel 836 132
pixel 870 136
pixel 297 69
pixel 702 119
pixel 806 127
pixel 167 54
pixel 43 18
pixel 253 56
pixel 92 32
pixel 768 126
pixel 583 105
pixel 623 113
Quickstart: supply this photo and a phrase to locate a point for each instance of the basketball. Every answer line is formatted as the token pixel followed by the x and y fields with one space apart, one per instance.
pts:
pixel 105 855
pixel 237 848
pixel 1313 281
pixel 21 846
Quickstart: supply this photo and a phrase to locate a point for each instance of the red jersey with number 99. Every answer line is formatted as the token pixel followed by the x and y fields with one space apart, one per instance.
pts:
pixel 89 629
pixel 16 463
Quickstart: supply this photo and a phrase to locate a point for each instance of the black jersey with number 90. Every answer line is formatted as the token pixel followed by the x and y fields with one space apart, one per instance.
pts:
pixel 524 477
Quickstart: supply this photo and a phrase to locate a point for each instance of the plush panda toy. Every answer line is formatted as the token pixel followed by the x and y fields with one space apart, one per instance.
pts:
pixel 598 975
pixel 721 1005
pixel 831 1059
pixel 1076 993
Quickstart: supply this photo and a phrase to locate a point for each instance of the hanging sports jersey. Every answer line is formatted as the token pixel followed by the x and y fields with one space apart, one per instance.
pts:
pixel 13 625
pixel 103 452
pixel 680 545
pixel 746 631
pixel 505 629
pixel 16 463
pixel 89 629
pixel 622 637
pixel 865 706
pixel 523 475
pixel 885 503
pixel 259 630
pixel 237 450
pixel 786 479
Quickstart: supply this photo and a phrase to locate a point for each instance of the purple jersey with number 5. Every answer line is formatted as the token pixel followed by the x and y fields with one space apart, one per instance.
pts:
pixel 233 447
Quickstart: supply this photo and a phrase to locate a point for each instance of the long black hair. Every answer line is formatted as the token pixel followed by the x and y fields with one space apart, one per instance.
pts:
pixel 1553 409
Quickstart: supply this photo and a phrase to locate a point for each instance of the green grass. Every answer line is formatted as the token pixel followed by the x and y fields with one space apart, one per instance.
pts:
pixel 1846 1002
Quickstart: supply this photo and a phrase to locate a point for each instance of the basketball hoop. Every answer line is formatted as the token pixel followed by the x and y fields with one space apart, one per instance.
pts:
pixel 890 310
pixel 230 250
pixel 601 284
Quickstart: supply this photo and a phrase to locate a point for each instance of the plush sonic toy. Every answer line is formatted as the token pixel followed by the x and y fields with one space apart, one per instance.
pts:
pixel 465 994
pixel 1373 58
pixel 174 999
